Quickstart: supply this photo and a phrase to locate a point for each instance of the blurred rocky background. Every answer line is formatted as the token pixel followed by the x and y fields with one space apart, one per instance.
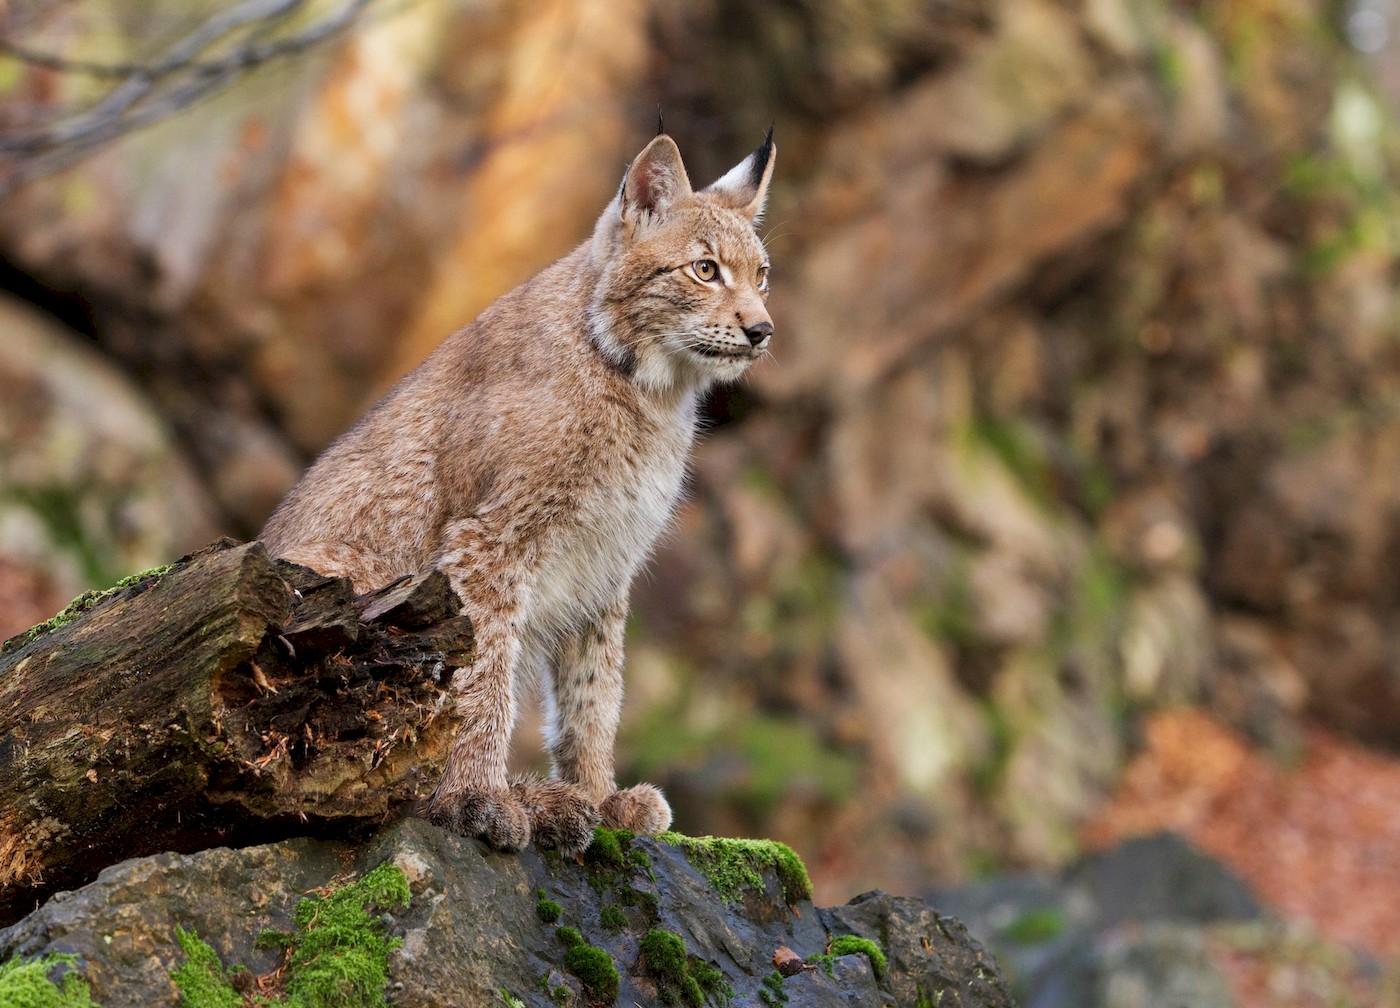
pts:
pixel 1083 410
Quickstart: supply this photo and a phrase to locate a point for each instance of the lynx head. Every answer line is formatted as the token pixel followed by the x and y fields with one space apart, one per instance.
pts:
pixel 683 274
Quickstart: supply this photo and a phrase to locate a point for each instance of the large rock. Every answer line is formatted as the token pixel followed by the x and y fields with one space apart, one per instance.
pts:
pixel 475 931
pixel 1129 927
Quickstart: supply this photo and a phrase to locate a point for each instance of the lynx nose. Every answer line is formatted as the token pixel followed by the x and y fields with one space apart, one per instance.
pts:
pixel 758 332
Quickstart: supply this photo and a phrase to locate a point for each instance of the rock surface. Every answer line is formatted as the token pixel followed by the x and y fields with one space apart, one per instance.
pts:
pixel 473 931
pixel 1127 928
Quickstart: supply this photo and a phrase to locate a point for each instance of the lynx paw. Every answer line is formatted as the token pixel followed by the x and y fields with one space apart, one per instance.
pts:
pixel 641 809
pixel 561 816
pixel 497 817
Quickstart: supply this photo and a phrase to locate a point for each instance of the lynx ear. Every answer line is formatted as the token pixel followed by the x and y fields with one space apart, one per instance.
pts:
pixel 745 187
pixel 655 181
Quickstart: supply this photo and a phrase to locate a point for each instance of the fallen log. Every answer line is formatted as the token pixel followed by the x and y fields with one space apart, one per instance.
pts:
pixel 226 699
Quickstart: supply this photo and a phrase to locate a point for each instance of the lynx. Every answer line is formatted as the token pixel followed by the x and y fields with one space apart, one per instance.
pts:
pixel 534 458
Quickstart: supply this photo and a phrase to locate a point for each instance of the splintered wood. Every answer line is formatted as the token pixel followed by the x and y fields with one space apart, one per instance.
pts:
pixel 221 700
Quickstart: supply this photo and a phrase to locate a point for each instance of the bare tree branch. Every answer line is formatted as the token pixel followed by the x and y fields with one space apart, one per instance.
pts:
pixel 188 70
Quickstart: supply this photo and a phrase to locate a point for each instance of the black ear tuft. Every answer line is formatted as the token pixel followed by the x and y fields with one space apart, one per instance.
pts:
pixel 745 186
pixel 661 122
pixel 760 158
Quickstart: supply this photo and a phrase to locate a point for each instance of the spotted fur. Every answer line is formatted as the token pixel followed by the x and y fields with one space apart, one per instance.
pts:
pixel 535 457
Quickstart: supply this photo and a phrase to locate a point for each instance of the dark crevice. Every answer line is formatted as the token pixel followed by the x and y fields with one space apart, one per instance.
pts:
pixel 68 307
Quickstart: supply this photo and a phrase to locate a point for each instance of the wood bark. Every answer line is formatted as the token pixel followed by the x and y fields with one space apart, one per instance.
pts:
pixel 226 699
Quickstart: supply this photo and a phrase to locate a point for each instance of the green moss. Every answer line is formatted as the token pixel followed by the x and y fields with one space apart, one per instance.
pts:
pixel 510 1000
pixel 1171 69
pixel 269 938
pixel 25 983
pixel 800 608
pixel 710 980
pixel 546 909
pixel 201 979
pixel 595 969
pixel 611 859
pixel 783 755
pixel 558 993
pixel 640 898
pixel 1055 474
pixel 734 866
pixel 78 606
pixel 948 615
pixel 772 992
pixel 1036 926
pixel 593 966
pixel 663 956
pixel 60 509
pixel 1022 450
pixel 639 858
pixel 12 71
pixel 1085 626
pixel 337 958
pixel 856 945
pixel 341 955
pixel 988 772
pixel 681 978
pixel 605 853
pixel 614 921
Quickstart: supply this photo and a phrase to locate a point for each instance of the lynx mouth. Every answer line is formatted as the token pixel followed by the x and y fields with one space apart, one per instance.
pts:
pixel 746 354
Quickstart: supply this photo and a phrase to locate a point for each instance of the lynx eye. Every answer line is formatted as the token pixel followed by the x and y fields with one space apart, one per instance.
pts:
pixel 763 278
pixel 705 270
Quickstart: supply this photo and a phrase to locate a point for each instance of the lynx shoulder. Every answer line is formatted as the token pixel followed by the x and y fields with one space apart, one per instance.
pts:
pixel 534 458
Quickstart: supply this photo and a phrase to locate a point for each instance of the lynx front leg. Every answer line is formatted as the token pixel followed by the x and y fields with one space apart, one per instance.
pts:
pixel 474 797
pixel 588 704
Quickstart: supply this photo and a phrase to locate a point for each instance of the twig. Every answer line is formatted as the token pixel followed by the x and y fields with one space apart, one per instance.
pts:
pixel 172 81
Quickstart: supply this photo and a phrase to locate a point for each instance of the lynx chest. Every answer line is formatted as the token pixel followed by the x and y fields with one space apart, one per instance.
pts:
pixel 614 513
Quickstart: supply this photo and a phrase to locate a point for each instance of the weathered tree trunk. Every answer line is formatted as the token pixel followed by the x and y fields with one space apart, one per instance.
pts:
pixel 217 700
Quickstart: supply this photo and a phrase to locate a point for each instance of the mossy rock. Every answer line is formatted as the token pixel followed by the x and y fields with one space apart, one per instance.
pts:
pixel 546 909
pixel 472 934
pixel 844 945
pixel 338 955
pixel 593 966
pixel 680 978
pixel 29 983
pixel 734 866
